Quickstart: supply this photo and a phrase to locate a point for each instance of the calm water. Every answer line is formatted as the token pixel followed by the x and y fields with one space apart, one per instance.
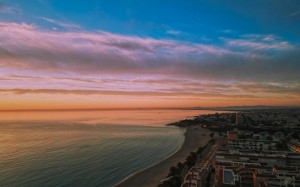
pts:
pixel 90 148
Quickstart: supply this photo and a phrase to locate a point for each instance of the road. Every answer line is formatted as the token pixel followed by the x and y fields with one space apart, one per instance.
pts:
pixel 207 159
pixel 204 161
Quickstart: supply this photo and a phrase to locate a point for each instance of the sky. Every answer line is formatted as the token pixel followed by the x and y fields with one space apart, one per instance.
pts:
pixel 76 54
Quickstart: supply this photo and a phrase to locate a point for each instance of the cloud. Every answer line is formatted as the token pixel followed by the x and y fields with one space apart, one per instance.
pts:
pixel 18 26
pixel 169 88
pixel 295 13
pixel 228 31
pixel 6 9
pixel 259 42
pixel 174 32
pixel 275 88
pixel 154 87
pixel 62 24
pixel 26 47
pixel 169 94
pixel 258 45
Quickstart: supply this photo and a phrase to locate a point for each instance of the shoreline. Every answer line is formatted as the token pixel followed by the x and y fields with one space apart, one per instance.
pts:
pixel 151 176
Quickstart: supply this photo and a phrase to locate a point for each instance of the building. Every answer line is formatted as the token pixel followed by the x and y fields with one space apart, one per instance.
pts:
pixel 252 145
pixel 232 135
pixel 192 178
pixel 294 146
pixel 270 168
pixel 239 118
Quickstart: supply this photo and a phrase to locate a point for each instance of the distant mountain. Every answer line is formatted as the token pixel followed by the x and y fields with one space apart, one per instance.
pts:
pixel 238 108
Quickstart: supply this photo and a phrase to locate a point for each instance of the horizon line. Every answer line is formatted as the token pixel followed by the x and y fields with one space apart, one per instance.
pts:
pixel 146 108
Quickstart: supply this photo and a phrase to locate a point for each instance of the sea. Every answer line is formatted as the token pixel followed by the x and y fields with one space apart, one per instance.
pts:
pixel 85 148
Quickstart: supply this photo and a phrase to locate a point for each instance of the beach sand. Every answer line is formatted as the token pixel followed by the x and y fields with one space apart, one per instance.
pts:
pixel 151 177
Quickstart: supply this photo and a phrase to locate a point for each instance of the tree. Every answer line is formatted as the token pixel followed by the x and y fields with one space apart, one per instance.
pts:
pixel 191 159
pixel 270 138
pixel 200 149
pixel 295 136
pixel 212 135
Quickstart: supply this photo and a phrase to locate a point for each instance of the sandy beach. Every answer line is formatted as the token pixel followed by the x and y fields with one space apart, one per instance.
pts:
pixel 151 177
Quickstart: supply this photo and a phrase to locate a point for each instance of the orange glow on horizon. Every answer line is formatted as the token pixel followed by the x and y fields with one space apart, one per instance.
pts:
pixel 65 102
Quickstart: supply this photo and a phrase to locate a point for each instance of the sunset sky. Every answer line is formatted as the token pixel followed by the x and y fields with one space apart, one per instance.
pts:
pixel 77 54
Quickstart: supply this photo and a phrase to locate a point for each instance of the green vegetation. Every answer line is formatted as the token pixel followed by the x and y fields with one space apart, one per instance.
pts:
pixel 185 123
pixel 211 135
pixel 177 173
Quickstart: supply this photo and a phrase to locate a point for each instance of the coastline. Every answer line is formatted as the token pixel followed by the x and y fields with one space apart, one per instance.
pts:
pixel 151 176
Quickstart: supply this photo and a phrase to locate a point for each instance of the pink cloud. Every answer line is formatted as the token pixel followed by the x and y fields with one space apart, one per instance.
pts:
pixel 24 47
pixel 166 94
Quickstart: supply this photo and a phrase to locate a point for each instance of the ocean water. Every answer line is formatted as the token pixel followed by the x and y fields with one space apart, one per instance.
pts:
pixel 84 148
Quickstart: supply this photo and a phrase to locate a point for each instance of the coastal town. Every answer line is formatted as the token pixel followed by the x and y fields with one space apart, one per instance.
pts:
pixel 259 148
